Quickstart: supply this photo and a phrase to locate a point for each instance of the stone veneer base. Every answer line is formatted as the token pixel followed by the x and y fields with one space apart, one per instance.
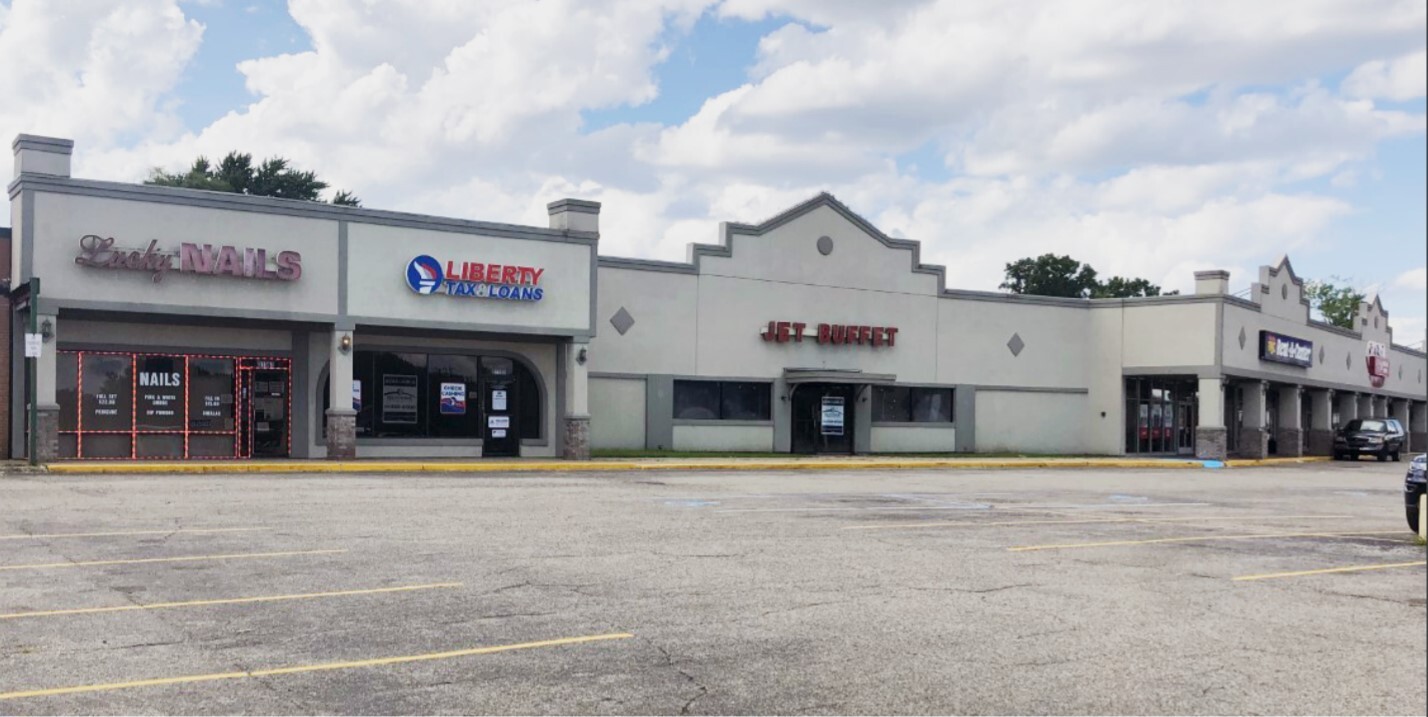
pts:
pixel 1254 443
pixel 341 435
pixel 575 443
pixel 1210 443
pixel 1289 442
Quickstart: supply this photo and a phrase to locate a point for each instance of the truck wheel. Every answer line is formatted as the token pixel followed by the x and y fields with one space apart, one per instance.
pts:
pixel 1411 512
pixel 1382 455
pixel 1395 456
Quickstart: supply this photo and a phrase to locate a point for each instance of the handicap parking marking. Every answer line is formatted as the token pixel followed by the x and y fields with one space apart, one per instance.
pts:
pixel 170 531
pixel 1366 535
pixel 1327 571
pixel 177 559
pixel 320 667
pixel 226 601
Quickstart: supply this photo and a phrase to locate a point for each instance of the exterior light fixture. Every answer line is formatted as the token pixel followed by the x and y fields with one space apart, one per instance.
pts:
pixel 580 357
pixel 47 329
pixel 345 343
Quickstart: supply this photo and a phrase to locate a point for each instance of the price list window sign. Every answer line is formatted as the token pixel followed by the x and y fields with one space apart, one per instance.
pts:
pixel 210 407
pixel 106 411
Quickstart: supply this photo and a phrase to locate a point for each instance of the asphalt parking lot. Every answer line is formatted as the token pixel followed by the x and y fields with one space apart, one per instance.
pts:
pixel 1250 590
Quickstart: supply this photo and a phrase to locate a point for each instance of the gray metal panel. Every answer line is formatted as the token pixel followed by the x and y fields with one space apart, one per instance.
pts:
pixel 469 328
pixel 1196 371
pixel 289 207
pixel 56 145
pixel 964 419
pixel 862 419
pixel 659 412
pixel 796 376
pixel 782 416
pixel 302 396
pixel 18 387
pixel 27 239
pixel 342 268
pixel 1030 389
pixel 560 380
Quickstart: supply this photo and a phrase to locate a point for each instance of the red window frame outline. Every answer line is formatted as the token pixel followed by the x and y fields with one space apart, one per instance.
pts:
pixel 278 363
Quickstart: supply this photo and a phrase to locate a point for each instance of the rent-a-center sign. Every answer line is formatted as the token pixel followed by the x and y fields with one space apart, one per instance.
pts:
pixel 782 332
pixel 1285 349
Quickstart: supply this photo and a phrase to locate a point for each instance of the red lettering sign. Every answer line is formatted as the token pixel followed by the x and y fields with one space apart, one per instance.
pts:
pixel 781 332
pixel 100 253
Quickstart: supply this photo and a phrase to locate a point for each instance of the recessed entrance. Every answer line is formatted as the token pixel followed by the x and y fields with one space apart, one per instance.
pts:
pixel 823 417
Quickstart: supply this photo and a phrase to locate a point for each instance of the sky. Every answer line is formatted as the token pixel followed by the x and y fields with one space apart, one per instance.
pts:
pixel 1149 139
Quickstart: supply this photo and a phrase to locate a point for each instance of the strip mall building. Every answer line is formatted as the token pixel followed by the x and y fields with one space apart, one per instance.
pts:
pixel 184 324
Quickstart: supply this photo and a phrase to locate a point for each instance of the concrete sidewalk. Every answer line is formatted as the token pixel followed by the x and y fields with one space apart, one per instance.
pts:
pixel 531 465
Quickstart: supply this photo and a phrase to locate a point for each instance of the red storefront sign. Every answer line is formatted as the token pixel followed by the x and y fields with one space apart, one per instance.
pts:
pixel 1378 366
pixel 781 332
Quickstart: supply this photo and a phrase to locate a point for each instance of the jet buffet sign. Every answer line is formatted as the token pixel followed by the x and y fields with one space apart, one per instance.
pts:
pixel 782 332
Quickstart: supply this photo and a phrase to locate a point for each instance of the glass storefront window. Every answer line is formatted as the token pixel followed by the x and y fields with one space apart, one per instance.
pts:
pixel 723 400
pixel 912 404
pixel 1160 415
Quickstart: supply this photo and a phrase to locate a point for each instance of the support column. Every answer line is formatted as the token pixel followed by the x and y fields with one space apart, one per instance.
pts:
pixel 1210 434
pixel 46 406
pixel 1348 407
pixel 1289 433
pixel 1365 405
pixel 1418 426
pixel 1254 437
pixel 1398 408
pixel 1380 407
pixel 341 413
pixel 1320 441
pixel 575 424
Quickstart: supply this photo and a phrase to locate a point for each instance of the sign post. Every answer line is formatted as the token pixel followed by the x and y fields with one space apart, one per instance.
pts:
pixel 31 365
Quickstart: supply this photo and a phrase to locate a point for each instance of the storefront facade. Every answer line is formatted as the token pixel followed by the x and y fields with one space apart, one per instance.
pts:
pixel 182 324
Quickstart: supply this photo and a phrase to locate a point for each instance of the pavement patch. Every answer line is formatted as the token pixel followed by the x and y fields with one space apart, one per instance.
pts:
pixel 170 531
pixel 1087 521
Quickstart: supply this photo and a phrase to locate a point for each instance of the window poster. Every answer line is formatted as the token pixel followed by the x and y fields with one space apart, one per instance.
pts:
pixel 399 398
pixel 108 389
pixel 453 399
pixel 159 388
pixel 498 399
pixel 356 395
pixel 210 394
pixel 831 416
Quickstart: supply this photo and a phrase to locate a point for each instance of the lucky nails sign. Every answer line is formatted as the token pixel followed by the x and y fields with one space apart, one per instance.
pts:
pixel 100 252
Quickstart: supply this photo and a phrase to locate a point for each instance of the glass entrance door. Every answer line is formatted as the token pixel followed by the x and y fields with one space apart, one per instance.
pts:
pixel 264 387
pixel 823 418
pixel 500 436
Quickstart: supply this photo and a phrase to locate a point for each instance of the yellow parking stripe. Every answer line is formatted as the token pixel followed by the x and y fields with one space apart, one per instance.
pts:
pixel 1325 571
pixel 975 524
pixel 135 561
pixel 22 536
pixel 226 601
pixel 1201 538
pixel 377 662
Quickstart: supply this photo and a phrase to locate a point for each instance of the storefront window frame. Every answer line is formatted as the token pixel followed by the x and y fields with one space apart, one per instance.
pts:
pixel 898 405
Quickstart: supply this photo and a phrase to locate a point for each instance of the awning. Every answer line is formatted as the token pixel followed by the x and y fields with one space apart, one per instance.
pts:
pixel 835 375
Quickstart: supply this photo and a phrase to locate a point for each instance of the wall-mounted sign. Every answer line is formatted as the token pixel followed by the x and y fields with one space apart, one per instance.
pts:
pixel 453 399
pixel 1377 363
pixel 399 398
pixel 1285 349
pixel 34 345
pixel 204 259
pixel 782 332
pixel 830 416
pixel 426 275
pixel 498 421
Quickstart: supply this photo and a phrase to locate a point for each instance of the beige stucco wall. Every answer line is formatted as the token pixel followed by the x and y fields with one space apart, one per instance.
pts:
pixel 662 339
pixel 1161 335
pixel 1030 422
pixel 617 413
pixel 78 333
pixel 61 219
pixel 932 438
pixel 723 438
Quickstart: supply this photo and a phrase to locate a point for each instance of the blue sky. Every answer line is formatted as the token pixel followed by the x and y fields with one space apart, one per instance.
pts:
pixel 1190 135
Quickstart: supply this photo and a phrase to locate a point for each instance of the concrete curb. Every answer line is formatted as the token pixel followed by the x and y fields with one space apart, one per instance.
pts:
pixel 158 468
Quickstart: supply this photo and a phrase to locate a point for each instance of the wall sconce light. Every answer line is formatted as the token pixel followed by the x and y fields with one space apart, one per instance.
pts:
pixel 580 357
pixel 47 329
pixel 345 343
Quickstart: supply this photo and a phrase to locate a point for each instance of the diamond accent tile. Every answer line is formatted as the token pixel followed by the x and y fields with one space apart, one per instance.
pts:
pixel 1016 344
pixel 1242 337
pixel 1321 355
pixel 622 321
pixel 1349 361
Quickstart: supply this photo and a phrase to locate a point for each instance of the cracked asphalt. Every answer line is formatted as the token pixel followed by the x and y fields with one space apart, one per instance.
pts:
pixel 776 593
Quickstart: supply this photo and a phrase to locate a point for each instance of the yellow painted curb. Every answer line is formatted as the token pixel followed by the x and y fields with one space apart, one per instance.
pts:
pixel 1244 462
pixel 137 468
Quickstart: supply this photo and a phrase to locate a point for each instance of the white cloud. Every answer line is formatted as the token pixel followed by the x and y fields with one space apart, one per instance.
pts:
pixel 1412 280
pixel 1404 78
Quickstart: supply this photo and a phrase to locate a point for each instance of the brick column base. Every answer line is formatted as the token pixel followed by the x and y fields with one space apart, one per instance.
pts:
pixel 46 433
pixel 1321 443
pixel 1210 443
pixel 341 435
pixel 1290 442
pixel 575 439
pixel 1254 443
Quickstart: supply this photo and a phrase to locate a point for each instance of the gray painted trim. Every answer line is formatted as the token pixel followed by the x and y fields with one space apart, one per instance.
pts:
pixel 1326 326
pixel 1027 389
pixel 467 328
pixel 432 442
pixel 659 412
pixel 27 238
pixel 581 206
pixel 621 262
pixel 964 419
pixel 56 305
pixel 171 349
pixel 561 378
pixel 1212 274
pixel 744 379
pixel 56 145
pixel 300 431
pixel 794 377
pixel 594 289
pixel 1253 375
pixel 1209 371
pixel 289 207
pixel 1219 335
pixel 944 425
pixel 1283 264
pixel 342 268
pixel 617 376
pixel 862 409
pixel 715 423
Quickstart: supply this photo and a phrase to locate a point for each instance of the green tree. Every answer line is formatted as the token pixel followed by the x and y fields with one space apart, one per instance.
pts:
pixel 1339 305
pixel 1050 275
pixel 1119 287
pixel 275 177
